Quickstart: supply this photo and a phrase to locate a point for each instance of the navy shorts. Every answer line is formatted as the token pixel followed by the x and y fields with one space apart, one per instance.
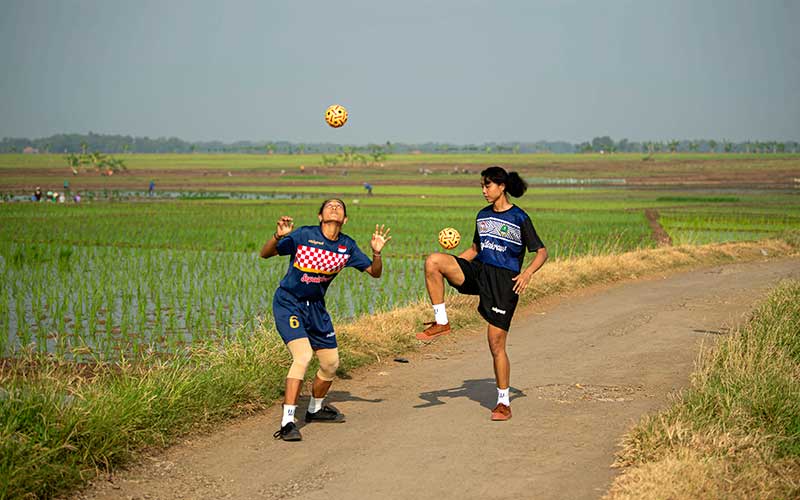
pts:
pixel 297 319
pixel 495 287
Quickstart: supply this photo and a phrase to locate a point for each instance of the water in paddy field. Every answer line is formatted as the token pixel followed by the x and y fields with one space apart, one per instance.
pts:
pixel 114 301
pixel 124 194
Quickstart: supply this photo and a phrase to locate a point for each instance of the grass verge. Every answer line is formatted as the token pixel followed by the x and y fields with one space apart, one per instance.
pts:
pixel 61 424
pixel 735 433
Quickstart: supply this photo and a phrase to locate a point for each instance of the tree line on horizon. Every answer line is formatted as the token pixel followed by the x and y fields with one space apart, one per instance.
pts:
pixel 125 144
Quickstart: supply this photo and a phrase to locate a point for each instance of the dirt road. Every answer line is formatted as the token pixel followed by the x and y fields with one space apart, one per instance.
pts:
pixel 584 368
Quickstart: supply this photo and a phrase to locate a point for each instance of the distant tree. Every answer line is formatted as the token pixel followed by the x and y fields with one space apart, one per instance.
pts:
pixel 712 145
pixel 693 146
pixel 604 143
pixel 377 153
pixel 673 146
pixel 727 146
pixel 780 147
pixel 74 162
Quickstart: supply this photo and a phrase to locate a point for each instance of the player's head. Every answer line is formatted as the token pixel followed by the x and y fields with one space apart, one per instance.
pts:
pixel 333 210
pixel 509 182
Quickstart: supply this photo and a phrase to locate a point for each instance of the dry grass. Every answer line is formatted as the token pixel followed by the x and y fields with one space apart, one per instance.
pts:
pixel 689 473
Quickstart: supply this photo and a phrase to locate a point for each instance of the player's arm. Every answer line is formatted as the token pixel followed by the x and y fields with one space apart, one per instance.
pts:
pixel 470 253
pixel 379 238
pixel 522 279
pixel 284 227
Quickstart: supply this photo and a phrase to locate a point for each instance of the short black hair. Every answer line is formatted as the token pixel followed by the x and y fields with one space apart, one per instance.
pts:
pixel 333 199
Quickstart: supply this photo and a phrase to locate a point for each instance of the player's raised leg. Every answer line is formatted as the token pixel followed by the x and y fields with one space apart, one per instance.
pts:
pixel 438 267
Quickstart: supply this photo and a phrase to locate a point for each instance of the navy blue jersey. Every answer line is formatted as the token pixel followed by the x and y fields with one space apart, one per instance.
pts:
pixel 316 260
pixel 502 237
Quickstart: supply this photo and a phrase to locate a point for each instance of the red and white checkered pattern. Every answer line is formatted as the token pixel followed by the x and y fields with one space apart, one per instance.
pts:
pixel 319 260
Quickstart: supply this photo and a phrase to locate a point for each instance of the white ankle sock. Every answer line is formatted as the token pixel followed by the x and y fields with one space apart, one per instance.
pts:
pixel 288 414
pixel 315 404
pixel 502 396
pixel 440 314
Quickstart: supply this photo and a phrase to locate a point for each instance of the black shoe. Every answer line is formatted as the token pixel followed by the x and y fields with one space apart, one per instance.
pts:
pixel 288 432
pixel 326 414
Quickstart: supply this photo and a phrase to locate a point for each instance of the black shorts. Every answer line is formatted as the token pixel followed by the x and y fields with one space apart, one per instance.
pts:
pixel 494 286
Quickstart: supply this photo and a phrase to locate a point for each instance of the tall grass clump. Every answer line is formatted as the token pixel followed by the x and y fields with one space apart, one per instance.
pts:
pixel 735 433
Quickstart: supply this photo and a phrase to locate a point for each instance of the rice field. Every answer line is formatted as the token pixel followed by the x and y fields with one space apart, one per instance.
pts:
pixel 123 275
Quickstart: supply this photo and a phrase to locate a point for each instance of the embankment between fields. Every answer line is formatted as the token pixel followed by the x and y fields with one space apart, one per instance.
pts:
pixel 61 424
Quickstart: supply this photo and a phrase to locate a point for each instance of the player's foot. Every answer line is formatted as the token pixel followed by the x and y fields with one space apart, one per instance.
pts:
pixel 434 330
pixel 288 432
pixel 501 412
pixel 328 414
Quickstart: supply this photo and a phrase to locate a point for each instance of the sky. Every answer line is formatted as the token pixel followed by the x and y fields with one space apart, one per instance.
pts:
pixel 455 71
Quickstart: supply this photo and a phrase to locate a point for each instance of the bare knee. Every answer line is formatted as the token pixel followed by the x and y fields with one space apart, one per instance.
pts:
pixel 497 344
pixel 434 262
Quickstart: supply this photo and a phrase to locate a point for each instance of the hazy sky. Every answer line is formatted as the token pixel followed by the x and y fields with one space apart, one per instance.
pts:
pixel 456 71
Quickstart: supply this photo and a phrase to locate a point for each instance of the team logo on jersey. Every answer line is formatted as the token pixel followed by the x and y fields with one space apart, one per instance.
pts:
pixel 342 249
pixel 500 229
pixel 319 260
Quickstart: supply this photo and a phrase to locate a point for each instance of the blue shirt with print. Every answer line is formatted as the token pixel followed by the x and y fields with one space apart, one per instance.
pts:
pixel 316 261
pixel 502 237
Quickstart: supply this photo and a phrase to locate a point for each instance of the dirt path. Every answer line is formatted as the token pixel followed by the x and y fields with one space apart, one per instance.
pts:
pixel 584 369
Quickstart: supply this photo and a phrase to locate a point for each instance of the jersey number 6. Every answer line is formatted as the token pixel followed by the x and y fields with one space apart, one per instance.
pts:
pixel 293 322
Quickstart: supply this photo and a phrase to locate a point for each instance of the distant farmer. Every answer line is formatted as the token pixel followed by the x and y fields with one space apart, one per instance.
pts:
pixel 317 255
pixel 368 187
pixel 66 187
pixel 152 188
pixel 37 194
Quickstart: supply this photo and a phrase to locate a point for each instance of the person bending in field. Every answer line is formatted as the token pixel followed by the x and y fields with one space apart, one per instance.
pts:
pixel 317 254
pixel 492 269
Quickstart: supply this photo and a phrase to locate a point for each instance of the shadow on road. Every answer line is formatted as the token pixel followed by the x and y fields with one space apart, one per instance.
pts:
pixel 482 391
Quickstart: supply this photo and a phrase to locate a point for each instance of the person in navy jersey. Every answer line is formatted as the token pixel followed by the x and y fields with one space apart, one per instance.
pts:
pixel 317 255
pixel 492 269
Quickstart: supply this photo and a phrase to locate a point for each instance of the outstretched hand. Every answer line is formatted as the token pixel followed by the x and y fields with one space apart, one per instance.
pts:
pixel 285 226
pixel 379 238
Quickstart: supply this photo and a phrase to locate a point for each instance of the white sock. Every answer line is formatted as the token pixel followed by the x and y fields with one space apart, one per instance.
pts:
pixel 440 314
pixel 502 396
pixel 288 414
pixel 314 404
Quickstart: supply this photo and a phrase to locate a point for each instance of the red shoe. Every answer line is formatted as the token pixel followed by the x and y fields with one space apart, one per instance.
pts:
pixel 434 330
pixel 501 412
